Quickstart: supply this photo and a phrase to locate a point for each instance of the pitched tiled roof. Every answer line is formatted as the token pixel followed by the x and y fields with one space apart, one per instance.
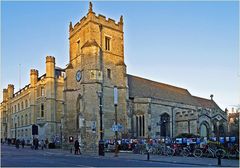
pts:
pixel 140 87
pixel 207 103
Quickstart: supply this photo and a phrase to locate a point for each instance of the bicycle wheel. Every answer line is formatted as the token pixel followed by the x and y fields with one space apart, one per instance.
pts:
pixel 179 152
pixel 220 153
pixel 209 153
pixel 197 153
pixel 169 152
pixel 185 153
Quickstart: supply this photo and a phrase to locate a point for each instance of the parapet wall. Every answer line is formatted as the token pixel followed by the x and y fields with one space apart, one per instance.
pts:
pixel 34 72
pixel 50 59
pixel 100 19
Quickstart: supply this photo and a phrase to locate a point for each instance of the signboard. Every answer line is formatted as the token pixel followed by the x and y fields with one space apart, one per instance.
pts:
pixel 117 127
pixel 232 139
pixel 198 140
pixel 93 126
pixel 227 139
pixel 184 140
pixel 179 140
pixel 221 139
pixel 115 94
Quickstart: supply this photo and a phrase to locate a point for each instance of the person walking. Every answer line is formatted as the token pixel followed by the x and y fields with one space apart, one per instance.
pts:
pixel 17 143
pixel 42 144
pixel 23 143
pixel 35 143
pixel 76 146
pixel 46 143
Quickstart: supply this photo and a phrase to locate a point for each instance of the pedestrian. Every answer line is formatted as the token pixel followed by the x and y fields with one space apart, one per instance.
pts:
pixel 42 144
pixel 23 143
pixel 35 143
pixel 9 141
pixel 76 146
pixel 32 145
pixel 17 143
pixel 46 143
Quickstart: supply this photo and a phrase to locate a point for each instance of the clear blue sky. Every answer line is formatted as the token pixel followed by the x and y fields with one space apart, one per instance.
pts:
pixel 194 45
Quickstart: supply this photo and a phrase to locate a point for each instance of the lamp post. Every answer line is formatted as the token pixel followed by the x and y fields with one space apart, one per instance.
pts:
pixel 15 132
pixel 148 152
pixel 100 95
pixel 60 128
pixel 115 94
pixel 101 142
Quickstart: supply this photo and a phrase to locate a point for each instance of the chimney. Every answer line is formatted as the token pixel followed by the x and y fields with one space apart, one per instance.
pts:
pixel 5 94
pixel 10 90
pixel 50 67
pixel 33 77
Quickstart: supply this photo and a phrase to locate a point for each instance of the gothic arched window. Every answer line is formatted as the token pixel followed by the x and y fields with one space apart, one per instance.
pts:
pixel 165 125
pixel 26 103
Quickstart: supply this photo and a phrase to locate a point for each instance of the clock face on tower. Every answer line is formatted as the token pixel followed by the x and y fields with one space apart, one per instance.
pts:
pixel 78 75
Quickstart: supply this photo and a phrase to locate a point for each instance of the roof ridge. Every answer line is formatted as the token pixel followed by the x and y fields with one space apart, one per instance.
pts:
pixel 202 98
pixel 156 82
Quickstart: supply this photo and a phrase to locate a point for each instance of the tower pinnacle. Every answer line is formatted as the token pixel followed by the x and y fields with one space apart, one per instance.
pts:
pixel 70 26
pixel 121 19
pixel 90 7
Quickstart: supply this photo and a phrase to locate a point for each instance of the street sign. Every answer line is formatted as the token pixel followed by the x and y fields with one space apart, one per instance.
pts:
pixel 117 127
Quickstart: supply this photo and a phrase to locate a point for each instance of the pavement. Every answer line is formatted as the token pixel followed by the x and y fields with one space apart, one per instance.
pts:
pixel 123 155
pixel 201 162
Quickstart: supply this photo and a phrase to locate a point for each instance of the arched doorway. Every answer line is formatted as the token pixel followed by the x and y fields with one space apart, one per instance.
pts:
pixel 221 130
pixel 165 125
pixel 204 129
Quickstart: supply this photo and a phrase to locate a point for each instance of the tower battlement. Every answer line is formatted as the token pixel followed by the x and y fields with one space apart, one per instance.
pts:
pixel 100 19
pixel 10 86
pixel 34 72
pixel 50 59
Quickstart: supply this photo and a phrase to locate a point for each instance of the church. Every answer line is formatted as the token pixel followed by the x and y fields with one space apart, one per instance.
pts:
pixel 78 101
pixel 145 108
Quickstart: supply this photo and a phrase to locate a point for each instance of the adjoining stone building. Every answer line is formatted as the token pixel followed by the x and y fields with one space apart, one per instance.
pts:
pixel 161 110
pixel 40 103
pixel 96 65
pixel 233 122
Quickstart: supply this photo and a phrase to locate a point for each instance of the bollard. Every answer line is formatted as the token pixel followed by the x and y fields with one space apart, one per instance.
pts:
pixel 219 160
pixel 148 156
pixel 70 150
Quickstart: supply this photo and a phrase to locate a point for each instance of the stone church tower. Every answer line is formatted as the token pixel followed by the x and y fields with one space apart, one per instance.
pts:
pixel 96 65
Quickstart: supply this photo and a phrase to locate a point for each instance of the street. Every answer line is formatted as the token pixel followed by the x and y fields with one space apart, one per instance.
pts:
pixel 12 157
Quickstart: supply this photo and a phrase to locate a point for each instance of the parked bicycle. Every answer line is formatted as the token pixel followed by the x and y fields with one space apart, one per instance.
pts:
pixel 187 151
pixel 232 152
pixel 209 152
